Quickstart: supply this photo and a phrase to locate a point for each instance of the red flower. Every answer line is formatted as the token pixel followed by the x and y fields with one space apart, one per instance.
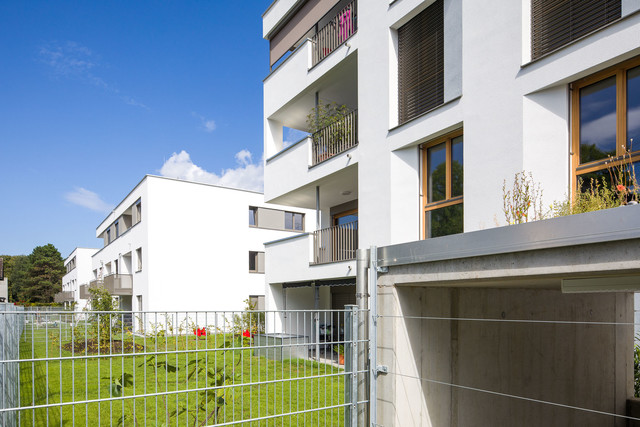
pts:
pixel 247 334
pixel 200 332
pixel 621 188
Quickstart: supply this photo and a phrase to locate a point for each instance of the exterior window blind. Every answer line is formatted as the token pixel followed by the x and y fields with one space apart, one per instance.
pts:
pixel 421 63
pixel 555 23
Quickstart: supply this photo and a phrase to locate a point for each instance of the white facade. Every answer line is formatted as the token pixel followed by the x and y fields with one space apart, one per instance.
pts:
pixel 174 245
pixel 78 267
pixel 514 113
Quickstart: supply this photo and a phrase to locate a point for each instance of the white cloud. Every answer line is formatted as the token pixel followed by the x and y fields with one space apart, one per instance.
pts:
pixel 74 61
pixel 88 199
pixel 208 124
pixel 246 175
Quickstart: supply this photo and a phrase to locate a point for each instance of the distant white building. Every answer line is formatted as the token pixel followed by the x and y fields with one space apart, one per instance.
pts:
pixel 78 272
pixel 175 245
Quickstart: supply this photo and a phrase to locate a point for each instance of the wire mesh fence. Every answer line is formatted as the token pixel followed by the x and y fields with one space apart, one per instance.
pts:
pixel 181 368
pixel 11 328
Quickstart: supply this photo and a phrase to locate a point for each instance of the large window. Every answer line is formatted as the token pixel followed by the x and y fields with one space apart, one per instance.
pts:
pixel 606 121
pixel 421 63
pixel 443 186
pixel 555 23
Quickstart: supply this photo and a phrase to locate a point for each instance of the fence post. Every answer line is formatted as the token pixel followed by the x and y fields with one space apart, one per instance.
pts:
pixel 351 365
pixel 373 334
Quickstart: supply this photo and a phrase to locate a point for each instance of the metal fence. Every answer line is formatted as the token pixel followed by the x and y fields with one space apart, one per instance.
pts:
pixel 182 368
pixel 11 328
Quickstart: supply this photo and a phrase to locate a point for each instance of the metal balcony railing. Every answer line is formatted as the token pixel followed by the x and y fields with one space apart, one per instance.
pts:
pixel 63 296
pixel 337 243
pixel 119 284
pixel 328 38
pixel 335 138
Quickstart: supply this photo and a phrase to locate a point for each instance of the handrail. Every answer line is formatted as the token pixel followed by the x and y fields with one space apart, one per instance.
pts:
pixel 335 243
pixel 335 138
pixel 328 38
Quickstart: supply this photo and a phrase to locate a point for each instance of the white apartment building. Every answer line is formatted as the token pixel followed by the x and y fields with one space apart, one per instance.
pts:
pixel 175 245
pixel 78 273
pixel 443 101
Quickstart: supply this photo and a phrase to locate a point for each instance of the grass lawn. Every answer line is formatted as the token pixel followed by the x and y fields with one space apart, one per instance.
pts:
pixel 213 360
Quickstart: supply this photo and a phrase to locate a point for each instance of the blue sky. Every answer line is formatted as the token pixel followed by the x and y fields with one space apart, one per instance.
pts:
pixel 94 95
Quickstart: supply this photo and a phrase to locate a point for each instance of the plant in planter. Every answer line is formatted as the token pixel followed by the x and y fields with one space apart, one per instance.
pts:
pixel 327 128
pixel 340 350
pixel 623 177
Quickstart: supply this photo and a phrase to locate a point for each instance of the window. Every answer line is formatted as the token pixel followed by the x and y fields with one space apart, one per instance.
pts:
pixel 346 217
pixel 605 121
pixel 554 23
pixel 256 262
pixel 293 221
pixel 108 236
pixel 253 216
pixel 117 226
pixel 421 63
pixel 443 186
pixel 257 302
pixel 139 258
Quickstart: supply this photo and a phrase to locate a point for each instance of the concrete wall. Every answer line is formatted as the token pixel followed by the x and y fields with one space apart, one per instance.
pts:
pixel 588 366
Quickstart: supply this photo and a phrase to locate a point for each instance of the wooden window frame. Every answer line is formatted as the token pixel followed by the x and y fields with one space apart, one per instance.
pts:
pixel 448 200
pixel 620 73
pixel 341 214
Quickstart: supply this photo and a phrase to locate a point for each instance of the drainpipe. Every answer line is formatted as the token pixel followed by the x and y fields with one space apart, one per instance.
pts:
pixel 362 300
pixel 317 207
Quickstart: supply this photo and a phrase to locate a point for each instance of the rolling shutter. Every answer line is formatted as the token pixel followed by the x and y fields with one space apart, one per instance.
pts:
pixel 421 62
pixel 555 23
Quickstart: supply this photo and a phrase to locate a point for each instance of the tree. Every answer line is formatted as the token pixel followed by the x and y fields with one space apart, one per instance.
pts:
pixel 18 275
pixel 45 274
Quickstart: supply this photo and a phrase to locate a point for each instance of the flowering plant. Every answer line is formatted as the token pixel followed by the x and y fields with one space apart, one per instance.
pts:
pixel 200 332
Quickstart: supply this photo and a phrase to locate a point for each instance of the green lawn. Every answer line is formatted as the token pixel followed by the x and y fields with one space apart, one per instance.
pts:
pixel 209 362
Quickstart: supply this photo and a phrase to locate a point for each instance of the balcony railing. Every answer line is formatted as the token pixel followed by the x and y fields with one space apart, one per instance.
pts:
pixel 63 296
pixel 331 140
pixel 119 284
pixel 337 243
pixel 84 289
pixel 328 38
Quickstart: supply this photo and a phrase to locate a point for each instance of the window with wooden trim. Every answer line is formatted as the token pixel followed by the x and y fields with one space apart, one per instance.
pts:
pixel 605 122
pixel 442 181
pixel 554 23
pixel 421 63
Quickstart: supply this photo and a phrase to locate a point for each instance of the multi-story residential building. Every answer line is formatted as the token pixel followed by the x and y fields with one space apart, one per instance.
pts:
pixel 175 245
pixel 441 102
pixel 78 273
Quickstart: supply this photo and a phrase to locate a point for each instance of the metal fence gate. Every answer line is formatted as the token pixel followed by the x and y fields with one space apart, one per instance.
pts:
pixel 259 368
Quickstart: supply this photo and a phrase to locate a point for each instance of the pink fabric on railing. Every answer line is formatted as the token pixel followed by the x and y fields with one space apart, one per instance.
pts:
pixel 345 29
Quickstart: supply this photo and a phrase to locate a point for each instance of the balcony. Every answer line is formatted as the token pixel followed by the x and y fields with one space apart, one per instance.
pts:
pixel 63 296
pixel 84 289
pixel 334 33
pixel 335 138
pixel 119 284
pixel 336 243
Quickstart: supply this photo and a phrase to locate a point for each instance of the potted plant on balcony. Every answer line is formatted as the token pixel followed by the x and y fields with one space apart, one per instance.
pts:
pixel 340 350
pixel 328 129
